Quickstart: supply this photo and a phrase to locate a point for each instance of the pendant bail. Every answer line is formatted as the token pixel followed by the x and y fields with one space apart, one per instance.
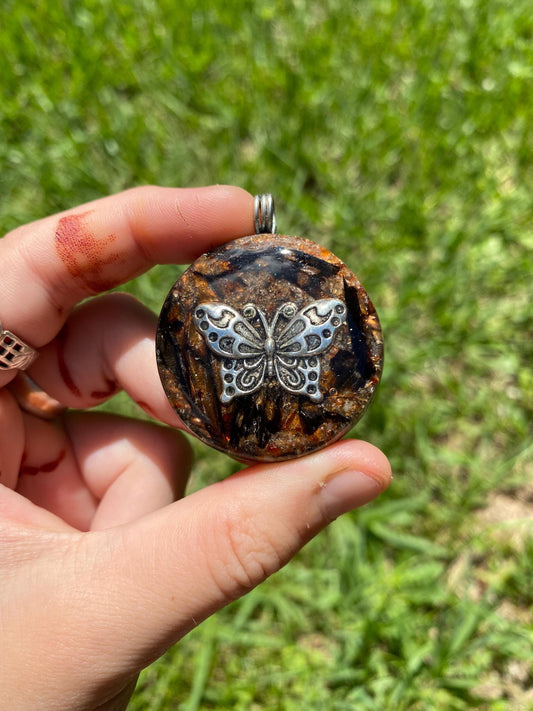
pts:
pixel 264 214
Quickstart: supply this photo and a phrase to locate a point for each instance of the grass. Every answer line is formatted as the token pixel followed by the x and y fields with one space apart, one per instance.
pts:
pixel 398 134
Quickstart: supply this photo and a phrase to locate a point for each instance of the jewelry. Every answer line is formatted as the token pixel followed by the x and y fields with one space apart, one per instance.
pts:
pixel 288 354
pixel 32 399
pixel 264 214
pixel 14 353
pixel 268 347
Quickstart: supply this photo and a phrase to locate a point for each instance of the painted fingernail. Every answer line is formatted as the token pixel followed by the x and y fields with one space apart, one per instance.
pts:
pixel 346 491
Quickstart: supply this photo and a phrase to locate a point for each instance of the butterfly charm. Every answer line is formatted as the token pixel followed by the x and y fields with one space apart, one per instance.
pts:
pixel 253 350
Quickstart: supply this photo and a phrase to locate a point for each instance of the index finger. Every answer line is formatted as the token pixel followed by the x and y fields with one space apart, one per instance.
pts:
pixel 50 265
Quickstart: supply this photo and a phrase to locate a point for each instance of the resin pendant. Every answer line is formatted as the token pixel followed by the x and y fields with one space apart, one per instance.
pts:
pixel 268 347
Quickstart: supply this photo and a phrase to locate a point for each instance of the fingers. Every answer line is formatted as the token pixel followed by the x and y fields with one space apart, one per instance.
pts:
pixel 195 556
pixel 95 471
pixel 50 477
pixel 131 467
pixel 14 507
pixel 50 265
pixel 11 439
pixel 106 345
pixel 127 594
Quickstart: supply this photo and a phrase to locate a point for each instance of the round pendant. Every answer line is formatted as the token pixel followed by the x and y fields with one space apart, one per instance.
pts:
pixel 269 348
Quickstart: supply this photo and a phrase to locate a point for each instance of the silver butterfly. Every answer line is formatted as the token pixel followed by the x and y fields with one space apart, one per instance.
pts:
pixel 286 349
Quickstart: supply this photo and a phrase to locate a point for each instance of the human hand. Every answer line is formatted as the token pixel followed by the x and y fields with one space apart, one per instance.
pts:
pixel 100 572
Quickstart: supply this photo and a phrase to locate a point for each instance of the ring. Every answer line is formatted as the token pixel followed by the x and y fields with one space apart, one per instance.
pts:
pixel 33 399
pixel 14 353
pixel 264 214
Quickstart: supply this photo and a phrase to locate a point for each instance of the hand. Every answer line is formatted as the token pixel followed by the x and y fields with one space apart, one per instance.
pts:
pixel 100 572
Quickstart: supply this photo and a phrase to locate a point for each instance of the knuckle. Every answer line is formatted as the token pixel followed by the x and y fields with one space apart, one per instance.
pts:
pixel 142 192
pixel 55 293
pixel 119 301
pixel 174 455
pixel 135 208
pixel 135 199
pixel 247 554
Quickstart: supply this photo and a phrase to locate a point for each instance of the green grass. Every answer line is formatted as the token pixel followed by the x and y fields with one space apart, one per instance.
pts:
pixel 399 134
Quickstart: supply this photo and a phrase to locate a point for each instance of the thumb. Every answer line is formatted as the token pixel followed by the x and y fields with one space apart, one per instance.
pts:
pixel 175 567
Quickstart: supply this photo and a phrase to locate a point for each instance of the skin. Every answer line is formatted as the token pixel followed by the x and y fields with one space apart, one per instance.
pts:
pixel 104 565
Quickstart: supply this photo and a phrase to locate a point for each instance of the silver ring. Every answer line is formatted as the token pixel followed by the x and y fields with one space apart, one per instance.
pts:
pixel 264 214
pixel 14 353
pixel 33 399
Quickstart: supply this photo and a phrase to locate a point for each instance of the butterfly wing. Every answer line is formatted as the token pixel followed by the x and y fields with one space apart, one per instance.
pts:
pixel 312 329
pixel 299 375
pixel 226 332
pixel 241 376
pixel 308 334
pixel 229 335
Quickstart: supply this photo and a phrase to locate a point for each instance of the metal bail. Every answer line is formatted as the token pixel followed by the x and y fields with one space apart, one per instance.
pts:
pixel 264 214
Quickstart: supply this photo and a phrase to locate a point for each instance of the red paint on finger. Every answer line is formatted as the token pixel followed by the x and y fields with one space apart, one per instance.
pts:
pixel 45 468
pixel 62 365
pixel 86 256
pixel 144 406
pixel 110 389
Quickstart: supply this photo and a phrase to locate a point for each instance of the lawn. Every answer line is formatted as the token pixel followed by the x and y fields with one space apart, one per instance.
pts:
pixel 399 134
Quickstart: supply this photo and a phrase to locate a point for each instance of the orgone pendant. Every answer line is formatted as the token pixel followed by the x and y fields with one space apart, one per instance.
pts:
pixel 268 347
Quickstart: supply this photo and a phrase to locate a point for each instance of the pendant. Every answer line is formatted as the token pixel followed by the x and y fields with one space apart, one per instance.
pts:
pixel 268 347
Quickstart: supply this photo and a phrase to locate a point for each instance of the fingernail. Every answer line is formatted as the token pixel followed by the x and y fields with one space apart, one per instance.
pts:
pixel 346 491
